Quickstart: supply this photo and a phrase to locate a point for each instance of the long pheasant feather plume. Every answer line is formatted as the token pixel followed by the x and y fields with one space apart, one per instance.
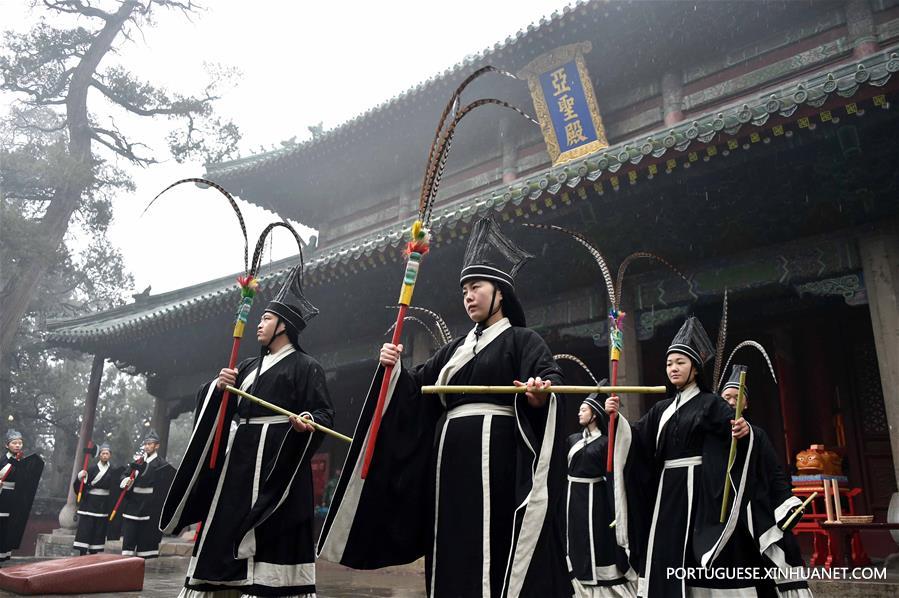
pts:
pixel 256 263
pixel 722 340
pixel 622 269
pixel 445 333
pixel 577 360
pixel 234 206
pixel 454 101
pixel 441 168
pixel 600 260
pixel 418 321
pixel 761 350
pixel 440 327
pixel 435 169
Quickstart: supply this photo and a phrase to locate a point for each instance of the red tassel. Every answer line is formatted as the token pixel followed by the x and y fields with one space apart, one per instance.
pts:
pixel 421 247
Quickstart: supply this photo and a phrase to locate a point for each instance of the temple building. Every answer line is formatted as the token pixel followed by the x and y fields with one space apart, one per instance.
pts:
pixel 753 145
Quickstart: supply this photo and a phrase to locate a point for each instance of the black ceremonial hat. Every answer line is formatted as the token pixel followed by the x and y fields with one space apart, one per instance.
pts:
pixel 734 380
pixel 692 341
pixel 290 304
pixel 492 256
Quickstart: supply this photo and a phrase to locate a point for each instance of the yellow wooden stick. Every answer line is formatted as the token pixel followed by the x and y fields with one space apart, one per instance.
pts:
pixel 733 448
pixel 283 411
pixel 798 511
pixel 508 390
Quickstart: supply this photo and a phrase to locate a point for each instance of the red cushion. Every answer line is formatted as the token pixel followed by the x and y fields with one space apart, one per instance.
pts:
pixel 76 575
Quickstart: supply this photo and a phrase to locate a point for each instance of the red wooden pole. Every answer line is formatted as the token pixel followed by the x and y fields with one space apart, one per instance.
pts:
pixel 87 458
pixel 382 395
pixel 248 286
pixel 124 490
pixel 223 409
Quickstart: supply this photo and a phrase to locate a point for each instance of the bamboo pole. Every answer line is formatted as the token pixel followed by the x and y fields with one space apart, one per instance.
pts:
pixel 733 448
pixel 509 390
pixel 798 511
pixel 283 411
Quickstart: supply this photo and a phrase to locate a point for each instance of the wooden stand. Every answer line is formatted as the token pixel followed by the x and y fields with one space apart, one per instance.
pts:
pixel 828 535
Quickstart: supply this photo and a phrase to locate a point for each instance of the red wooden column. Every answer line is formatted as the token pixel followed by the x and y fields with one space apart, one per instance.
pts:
pixel 860 23
pixel 67 515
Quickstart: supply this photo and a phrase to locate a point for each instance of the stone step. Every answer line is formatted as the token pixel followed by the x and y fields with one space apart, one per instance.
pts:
pixel 59 543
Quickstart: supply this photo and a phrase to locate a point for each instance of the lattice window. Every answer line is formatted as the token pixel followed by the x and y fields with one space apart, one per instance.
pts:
pixel 868 389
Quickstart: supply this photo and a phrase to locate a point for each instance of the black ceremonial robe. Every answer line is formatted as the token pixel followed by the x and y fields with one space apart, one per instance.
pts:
pixel 771 504
pixel 142 504
pixel 257 505
pixel 669 483
pixel 600 566
pixel 20 479
pixel 477 496
pixel 101 489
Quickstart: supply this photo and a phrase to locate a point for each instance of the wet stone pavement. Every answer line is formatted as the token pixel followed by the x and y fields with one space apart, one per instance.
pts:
pixel 164 578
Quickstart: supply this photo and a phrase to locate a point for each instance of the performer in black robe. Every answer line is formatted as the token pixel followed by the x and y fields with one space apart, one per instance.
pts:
pixel 257 505
pixel 600 567
pixel 143 500
pixel 763 541
pixel 19 476
pixel 674 459
pixel 97 498
pixel 478 496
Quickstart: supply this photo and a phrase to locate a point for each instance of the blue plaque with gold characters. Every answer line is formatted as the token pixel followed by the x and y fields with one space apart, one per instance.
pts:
pixel 565 103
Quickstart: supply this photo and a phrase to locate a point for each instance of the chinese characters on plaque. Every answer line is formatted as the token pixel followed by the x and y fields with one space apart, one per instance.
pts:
pixel 565 103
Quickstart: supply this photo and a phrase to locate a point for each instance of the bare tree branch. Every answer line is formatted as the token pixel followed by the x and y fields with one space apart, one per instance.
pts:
pixel 60 127
pixel 77 7
pixel 117 142
pixel 173 109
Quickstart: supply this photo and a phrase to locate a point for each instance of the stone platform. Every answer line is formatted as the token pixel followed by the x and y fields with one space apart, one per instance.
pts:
pixel 59 543
pixel 165 575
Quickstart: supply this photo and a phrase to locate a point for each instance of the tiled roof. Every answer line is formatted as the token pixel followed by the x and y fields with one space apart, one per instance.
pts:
pixel 749 114
pixel 439 83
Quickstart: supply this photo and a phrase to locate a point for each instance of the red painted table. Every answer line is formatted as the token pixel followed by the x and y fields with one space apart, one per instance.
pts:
pixel 827 542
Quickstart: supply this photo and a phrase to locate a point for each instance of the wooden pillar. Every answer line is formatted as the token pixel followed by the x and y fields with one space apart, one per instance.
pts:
pixel 5 382
pixel 408 204
pixel 789 390
pixel 422 345
pixel 67 515
pixel 880 264
pixel 630 368
pixel 860 23
pixel 161 423
pixel 672 98
pixel 509 151
pixel 821 383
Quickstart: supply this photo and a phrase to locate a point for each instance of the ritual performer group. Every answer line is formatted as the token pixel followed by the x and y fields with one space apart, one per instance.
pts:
pixel 256 506
pixel 480 495
pixel 96 488
pixel 765 538
pixel 144 485
pixel 19 477
pixel 680 450
pixel 600 567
